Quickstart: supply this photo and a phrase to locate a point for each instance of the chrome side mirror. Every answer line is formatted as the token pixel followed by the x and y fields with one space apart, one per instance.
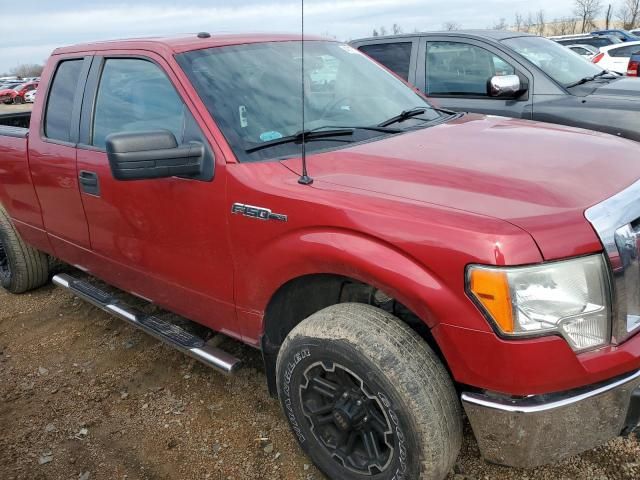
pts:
pixel 504 86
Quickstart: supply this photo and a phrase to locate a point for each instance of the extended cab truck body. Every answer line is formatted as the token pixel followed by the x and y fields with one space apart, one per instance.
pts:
pixel 512 74
pixel 432 260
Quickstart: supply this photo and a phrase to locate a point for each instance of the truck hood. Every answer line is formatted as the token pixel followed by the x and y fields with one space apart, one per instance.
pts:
pixel 540 177
pixel 622 87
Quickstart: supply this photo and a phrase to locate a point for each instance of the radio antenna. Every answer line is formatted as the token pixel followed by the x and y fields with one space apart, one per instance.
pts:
pixel 304 179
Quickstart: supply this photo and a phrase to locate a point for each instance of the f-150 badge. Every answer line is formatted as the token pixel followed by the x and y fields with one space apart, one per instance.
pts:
pixel 257 212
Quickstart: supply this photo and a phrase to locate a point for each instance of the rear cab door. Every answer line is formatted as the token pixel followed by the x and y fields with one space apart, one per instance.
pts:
pixel 455 71
pixel 52 155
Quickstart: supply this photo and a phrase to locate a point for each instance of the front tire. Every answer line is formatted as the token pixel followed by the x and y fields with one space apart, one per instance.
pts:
pixel 22 267
pixel 18 100
pixel 367 398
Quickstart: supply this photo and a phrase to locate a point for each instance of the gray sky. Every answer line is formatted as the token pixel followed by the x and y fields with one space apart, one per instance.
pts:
pixel 29 32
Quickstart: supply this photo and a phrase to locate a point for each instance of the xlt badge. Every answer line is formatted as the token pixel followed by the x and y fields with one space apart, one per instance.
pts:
pixel 256 212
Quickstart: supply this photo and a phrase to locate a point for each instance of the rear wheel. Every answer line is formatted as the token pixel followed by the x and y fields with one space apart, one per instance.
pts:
pixel 22 267
pixel 367 398
pixel 18 100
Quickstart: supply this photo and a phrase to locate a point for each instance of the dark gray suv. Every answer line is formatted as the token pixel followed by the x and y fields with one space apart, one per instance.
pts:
pixel 514 75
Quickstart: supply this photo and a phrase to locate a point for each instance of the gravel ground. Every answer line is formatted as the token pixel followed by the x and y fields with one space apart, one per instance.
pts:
pixel 85 396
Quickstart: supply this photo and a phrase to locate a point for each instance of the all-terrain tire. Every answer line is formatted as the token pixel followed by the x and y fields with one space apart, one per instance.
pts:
pixel 22 267
pixel 404 387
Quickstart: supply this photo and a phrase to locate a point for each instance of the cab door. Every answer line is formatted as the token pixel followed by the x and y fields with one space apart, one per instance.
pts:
pixel 52 157
pixel 162 239
pixel 455 72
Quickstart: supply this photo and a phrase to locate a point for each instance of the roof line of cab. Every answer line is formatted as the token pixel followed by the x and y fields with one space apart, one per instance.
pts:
pixel 483 34
pixel 184 43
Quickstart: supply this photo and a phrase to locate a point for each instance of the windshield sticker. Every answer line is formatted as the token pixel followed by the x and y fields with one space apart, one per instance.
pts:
pixel 244 123
pixel 268 136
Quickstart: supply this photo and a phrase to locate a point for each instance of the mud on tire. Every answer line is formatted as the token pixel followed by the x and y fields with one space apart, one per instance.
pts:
pixel 367 398
pixel 22 267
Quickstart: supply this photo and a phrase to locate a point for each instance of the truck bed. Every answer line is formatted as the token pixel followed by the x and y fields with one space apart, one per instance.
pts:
pixel 15 124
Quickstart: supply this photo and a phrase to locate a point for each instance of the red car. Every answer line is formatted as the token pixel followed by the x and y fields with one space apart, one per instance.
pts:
pixel 16 94
pixel 408 264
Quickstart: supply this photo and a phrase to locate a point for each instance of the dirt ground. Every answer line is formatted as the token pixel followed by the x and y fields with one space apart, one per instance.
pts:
pixel 85 396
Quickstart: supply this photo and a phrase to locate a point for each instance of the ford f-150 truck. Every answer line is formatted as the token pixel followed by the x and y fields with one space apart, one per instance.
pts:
pixel 408 264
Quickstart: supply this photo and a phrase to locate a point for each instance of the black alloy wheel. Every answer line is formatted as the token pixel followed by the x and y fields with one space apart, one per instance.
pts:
pixel 346 418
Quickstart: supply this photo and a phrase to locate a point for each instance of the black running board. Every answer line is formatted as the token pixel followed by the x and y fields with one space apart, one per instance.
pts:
pixel 163 330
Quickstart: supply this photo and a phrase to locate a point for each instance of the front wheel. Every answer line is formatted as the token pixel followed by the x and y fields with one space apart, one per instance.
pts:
pixel 367 398
pixel 18 100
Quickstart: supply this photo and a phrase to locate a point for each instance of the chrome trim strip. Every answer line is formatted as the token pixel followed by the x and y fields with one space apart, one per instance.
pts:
pixel 612 220
pixel 481 400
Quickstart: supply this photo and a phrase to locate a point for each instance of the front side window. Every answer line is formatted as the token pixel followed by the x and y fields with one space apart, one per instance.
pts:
pixel 553 59
pixel 462 69
pixel 396 56
pixel 57 124
pixel 135 95
pixel 254 93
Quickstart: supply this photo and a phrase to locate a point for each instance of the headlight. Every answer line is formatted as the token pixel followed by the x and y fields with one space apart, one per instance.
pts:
pixel 569 297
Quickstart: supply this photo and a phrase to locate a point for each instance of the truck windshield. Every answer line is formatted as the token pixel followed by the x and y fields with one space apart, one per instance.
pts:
pixel 560 63
pixel 254 93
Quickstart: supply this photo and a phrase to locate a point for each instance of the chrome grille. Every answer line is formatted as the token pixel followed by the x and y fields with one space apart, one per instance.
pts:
pixel 616 221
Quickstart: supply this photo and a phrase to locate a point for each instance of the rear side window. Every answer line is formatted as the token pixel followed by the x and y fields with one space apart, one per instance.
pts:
pixel 395 56
pixel 57 124
pixel 622 52
pixel 136 95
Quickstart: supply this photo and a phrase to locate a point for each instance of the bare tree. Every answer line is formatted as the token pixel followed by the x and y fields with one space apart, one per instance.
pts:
pixel 528 24
pixel 501 24
pixel 608 17
pixel 629 14
pixel 451 26
pixel 563 26
pixel 397 29
pixel 27 70
pixel 518 22
pixel 587 11
pixel 540 22
pixel 375 33
pixel 383 31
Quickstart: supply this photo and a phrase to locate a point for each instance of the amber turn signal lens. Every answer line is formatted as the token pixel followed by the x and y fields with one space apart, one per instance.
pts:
pixel 491 288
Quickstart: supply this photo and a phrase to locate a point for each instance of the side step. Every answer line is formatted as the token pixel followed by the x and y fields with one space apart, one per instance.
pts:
pixel 163 330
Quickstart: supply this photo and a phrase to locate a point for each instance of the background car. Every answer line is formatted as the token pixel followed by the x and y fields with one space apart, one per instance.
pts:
pixel 635 32
pixel 586 51
pixel 512 74
pixel 597 41
pixel 633 69
pixel 623 35
pixel 17 93
pixel 616 57
pixel 30 96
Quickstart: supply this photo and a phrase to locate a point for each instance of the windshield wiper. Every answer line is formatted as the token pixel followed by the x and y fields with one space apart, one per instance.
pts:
pixel 587 79
pixel 412 112
pixel 370 128
pixel 305 135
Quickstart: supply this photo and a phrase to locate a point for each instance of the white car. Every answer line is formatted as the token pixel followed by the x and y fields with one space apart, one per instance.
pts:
pixel 615 58
pixel 635 32
pixel 29 97
pixel 586 51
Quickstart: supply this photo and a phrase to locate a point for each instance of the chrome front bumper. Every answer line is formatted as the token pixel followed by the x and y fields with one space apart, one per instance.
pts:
pixel 542 429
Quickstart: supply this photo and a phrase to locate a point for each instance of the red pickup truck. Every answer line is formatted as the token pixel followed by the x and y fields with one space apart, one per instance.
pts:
pixel 430 262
